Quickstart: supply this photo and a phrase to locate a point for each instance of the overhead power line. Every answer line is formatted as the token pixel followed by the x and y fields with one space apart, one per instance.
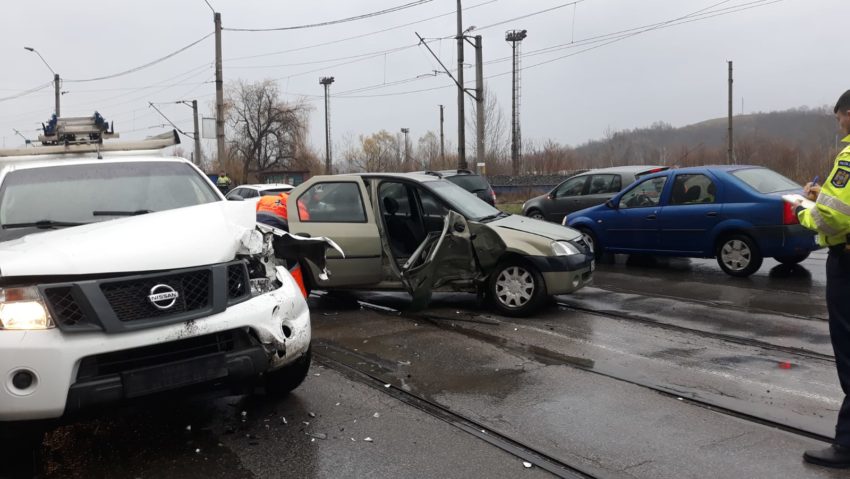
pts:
pixel 27 92
pixel 605 39
pixel 333 22
pixel 142 67
pixel 362 35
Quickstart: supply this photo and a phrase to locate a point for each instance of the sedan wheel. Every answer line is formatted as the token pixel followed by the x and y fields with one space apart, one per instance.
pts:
pixel 738 255
pixel 536 214
pixel 516 288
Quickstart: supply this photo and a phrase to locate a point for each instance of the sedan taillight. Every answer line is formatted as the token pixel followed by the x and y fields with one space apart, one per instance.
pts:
pixel 788 215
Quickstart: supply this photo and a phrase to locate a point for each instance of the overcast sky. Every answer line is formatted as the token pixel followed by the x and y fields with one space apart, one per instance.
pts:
pixel 786 53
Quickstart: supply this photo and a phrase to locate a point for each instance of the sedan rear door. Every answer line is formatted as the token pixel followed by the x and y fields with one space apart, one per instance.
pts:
pixel 339 208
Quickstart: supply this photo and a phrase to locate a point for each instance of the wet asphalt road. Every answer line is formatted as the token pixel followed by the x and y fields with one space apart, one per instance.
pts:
pixel 663 368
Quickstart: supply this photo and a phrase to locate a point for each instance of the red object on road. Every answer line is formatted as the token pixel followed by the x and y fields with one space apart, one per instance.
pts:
pixel 785 365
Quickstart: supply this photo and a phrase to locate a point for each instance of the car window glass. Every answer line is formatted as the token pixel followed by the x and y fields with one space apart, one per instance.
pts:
pixel 692 189
pixel 338 202
pixel 764 180
pixel 600 184
pixel 395 200
pixel 571 187
pixel 644 194
pixel 275 191
pixel 431 206
pixel 249 193
pixel 471 183
pixel 124 187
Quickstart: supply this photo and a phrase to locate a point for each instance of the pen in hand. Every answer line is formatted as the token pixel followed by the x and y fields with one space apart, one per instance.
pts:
pixel 815 180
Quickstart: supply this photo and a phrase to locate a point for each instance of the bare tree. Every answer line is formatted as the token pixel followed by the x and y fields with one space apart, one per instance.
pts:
pixel 266 131
pixel 376 152
pixel 497 138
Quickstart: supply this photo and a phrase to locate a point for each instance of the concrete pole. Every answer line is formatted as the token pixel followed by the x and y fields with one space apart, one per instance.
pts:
pixel 219 94
pixel 199 155
pixel 58 93
pixel 461 132
pixel 442 138
pixel 730 153
pixel 479 102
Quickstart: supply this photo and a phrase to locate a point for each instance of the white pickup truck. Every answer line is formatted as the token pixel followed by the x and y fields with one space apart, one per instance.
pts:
pixel 131 275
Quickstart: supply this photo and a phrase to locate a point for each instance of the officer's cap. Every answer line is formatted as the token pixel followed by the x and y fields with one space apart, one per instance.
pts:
pixel 843 102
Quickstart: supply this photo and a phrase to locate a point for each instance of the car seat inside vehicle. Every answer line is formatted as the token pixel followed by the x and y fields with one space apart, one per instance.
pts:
pixel 693 194
pixel 402 225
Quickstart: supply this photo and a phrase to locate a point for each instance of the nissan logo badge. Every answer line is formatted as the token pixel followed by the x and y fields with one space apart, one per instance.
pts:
pixel 163 296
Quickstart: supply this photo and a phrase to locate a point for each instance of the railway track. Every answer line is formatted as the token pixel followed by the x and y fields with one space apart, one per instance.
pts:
pixel 334 358
pixel 468 328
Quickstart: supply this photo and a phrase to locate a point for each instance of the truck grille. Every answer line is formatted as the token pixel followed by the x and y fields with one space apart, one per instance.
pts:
pixel 65 308
pixel 130 299
pixel 116 304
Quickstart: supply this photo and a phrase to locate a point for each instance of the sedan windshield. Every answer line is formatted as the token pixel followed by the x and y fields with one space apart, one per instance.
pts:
pixel 462 201
pixel 35 199
pixel 765 181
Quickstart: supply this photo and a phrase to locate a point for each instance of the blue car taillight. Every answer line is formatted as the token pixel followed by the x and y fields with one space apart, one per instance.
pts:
pixel 788 215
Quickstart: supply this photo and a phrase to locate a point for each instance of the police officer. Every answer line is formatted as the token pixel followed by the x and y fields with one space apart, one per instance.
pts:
pixel 223 182
pixel 830 217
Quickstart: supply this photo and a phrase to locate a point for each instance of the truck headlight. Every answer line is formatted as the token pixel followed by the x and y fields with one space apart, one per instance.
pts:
pixel 563 248
pixel 23 309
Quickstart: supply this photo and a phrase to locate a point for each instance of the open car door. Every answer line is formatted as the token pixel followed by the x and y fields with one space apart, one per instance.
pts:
pixel 444 256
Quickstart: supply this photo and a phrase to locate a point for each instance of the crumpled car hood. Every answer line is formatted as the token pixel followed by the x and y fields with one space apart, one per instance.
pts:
pixel 545 229
pixel 180 238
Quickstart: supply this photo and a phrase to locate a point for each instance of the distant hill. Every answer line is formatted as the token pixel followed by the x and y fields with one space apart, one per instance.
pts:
pixel 795 142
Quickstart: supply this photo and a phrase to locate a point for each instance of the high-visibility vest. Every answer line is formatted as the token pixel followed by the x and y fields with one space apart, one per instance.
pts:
pixel 830 216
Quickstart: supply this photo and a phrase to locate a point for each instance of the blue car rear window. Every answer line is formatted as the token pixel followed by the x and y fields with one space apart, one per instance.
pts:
pixel 764 180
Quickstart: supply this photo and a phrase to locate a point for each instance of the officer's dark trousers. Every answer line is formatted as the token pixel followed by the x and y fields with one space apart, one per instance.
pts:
pixel 838 304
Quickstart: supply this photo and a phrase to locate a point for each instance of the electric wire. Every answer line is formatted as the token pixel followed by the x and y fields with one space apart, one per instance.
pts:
pixel 333 22
pixel 142 67
pixel 362 35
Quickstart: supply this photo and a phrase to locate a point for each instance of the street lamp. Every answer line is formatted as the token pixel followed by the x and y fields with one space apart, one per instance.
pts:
pixel 406 154
pixel 55 77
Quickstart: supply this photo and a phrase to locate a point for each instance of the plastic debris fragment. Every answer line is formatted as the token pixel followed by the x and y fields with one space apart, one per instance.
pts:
pixel 197 451
pixel 387 385
pixel 311 414
pixel 189 427
pixel 526 464
pixel 376 415
pixel 368 439
pixel 785 365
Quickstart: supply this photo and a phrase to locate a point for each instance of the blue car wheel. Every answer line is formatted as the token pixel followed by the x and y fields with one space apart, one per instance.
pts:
pixel 738 255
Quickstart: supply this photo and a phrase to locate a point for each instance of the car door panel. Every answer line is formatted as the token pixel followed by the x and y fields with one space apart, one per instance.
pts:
pixel 686 219
pixel 443 256
pixel 631 225
pixel 358 238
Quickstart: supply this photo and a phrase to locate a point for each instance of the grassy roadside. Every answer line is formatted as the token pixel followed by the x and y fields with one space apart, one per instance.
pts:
pixel 512 208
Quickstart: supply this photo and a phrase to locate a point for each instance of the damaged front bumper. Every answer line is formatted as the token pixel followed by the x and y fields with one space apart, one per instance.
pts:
pixel 72 371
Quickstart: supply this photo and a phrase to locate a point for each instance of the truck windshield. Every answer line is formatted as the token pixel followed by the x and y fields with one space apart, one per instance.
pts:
pixel 35 199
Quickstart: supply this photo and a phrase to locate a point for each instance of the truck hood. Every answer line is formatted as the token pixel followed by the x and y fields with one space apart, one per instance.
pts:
pixel 545 229
pixel 180 238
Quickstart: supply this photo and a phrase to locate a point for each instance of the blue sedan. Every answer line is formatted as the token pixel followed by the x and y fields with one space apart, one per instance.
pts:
pixel 733 213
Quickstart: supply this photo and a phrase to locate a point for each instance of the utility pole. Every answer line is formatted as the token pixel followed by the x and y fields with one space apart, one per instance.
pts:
pixel 406 151
pixel 461 132
pixel 326 82
pixel 730 153
pixel 442 139
pixel 515 37
pixel 199 155
pixel 479 102
pixel 219 93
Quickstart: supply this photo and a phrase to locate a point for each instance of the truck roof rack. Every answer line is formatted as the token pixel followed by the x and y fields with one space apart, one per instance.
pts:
pixel 76 130
pixel 153 143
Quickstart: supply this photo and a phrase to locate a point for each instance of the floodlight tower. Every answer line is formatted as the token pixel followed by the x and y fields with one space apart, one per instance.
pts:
pixel 326 82
pixel 515 37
